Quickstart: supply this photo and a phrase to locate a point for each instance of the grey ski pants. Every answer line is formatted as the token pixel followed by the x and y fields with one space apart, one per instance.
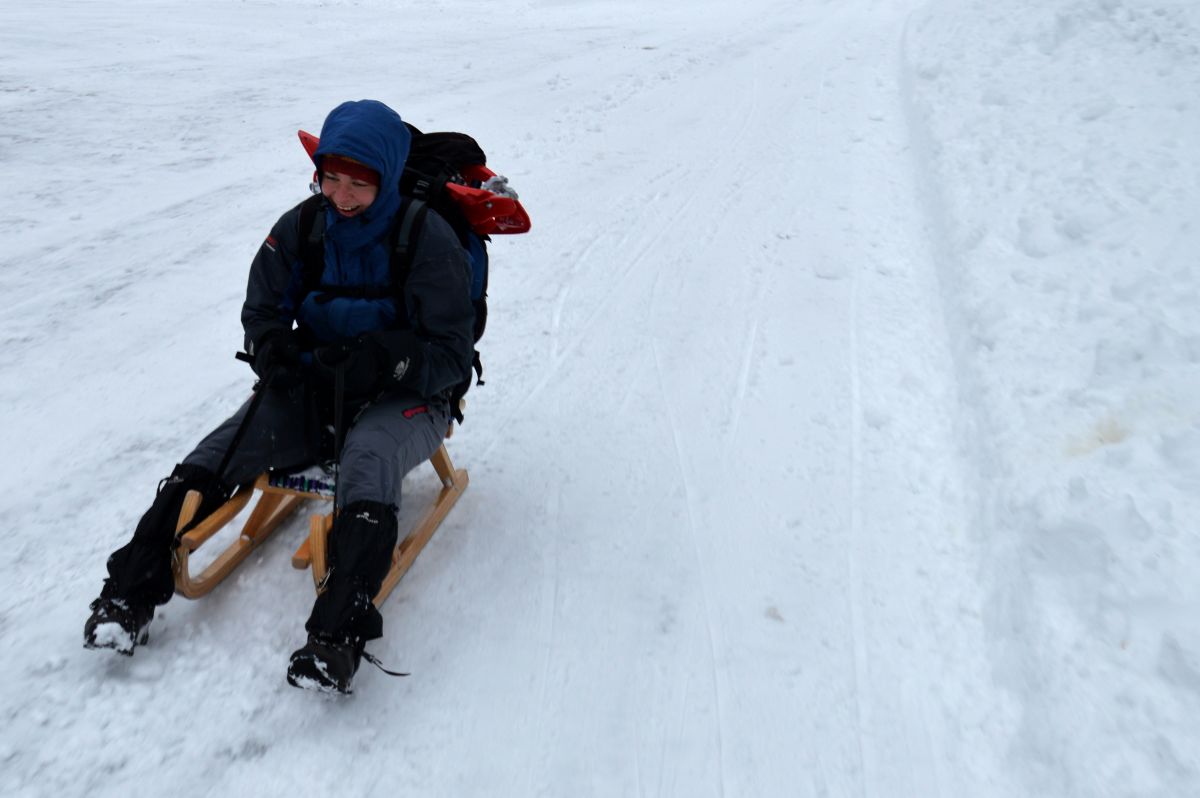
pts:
pixel 385 441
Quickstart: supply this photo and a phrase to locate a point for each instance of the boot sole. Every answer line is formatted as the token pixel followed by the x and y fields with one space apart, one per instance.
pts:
pixel 122 642
pixel 308 673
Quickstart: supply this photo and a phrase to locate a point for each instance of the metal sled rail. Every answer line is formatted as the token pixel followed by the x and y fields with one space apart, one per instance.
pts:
pixel 274 505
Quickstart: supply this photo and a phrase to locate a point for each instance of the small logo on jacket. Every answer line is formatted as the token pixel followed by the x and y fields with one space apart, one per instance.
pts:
pixel 269 243
pixel 401 368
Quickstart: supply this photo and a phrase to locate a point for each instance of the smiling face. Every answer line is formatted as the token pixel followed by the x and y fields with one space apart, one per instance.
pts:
pixel 349 195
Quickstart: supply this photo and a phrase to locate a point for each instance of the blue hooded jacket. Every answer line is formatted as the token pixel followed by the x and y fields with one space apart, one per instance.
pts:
pixel 357 249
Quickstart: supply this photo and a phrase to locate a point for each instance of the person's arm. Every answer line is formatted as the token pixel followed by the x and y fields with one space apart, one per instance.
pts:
pixel 273 274
pixel 436 353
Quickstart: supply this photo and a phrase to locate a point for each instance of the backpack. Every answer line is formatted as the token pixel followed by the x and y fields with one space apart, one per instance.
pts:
pixel 446 172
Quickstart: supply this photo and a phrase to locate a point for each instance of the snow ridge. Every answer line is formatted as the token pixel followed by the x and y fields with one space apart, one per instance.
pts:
pixel 1066 200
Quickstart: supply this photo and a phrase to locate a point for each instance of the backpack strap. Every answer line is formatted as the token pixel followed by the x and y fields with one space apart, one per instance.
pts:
pixel 404 234
pixel 405 231
pixel 312 242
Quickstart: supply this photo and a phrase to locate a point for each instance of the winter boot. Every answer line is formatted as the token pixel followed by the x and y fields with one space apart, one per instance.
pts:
pixel 325 664
pixel 139 573
pixel 344 618
pixel 117 624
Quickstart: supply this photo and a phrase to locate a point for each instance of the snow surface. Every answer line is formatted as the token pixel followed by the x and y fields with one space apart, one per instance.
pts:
pixel 842 425
pixel 114 636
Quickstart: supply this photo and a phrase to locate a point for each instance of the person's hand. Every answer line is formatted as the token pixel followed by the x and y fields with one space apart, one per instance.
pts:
pixel 278 351
pixel 361 360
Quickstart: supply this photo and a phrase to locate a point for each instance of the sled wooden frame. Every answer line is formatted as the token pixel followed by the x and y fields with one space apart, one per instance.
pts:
pixel 274 506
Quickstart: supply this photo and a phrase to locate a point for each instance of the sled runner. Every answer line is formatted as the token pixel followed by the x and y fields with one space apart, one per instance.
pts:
pixel 276 501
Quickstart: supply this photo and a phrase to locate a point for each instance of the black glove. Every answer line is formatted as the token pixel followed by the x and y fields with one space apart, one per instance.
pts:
pixel 363 363
pixel 279 350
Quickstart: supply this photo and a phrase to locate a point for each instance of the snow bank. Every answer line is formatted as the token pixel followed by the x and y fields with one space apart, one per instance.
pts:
pixel 1065 180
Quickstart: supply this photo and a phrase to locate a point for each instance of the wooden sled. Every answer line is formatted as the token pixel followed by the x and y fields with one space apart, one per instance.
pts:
pixel 274 506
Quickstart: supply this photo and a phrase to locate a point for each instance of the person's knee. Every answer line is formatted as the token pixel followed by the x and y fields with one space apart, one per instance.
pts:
pixel 367 474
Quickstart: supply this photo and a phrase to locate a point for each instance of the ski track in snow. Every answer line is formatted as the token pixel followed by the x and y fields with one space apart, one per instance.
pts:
pixel 737 475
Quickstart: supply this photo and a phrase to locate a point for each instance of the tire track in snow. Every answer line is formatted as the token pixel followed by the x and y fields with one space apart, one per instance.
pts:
pixel 690 502
pixel 723 163
pixel 854 597
pixel 551 583
pixel 615 288
pixel 747 366
pixel 561 353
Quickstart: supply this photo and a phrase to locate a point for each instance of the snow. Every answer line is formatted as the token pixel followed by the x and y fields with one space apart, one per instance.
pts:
pixel 111 635
pixel 841 427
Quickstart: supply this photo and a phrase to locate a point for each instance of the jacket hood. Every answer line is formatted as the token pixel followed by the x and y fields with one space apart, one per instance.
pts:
pixel 372 133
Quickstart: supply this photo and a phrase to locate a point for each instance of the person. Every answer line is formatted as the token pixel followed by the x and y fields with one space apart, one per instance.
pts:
pixel 399 358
